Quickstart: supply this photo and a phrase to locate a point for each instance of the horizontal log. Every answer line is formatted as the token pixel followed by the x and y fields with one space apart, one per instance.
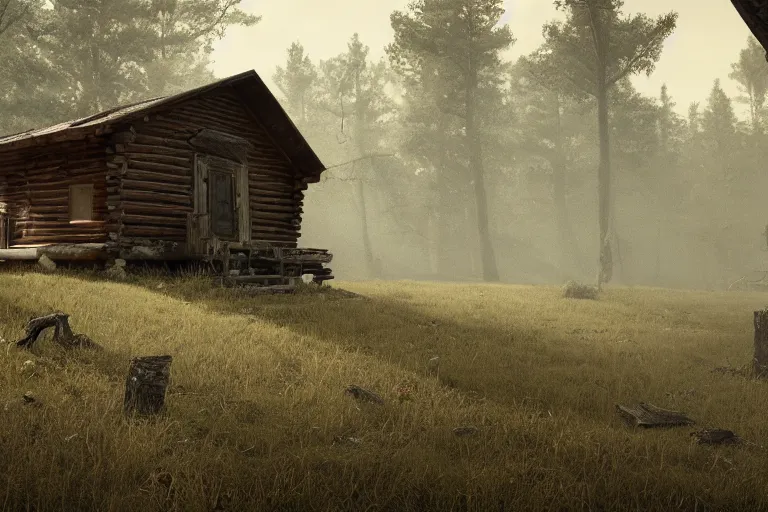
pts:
pixel 270 183
pixel 170 130
pixel 170 143
pixel 96 178
pixel 180 160
pixel 141 175
pixel 164 133
pixel 60 238
pixel 154 232
pixel 261 228
pixel 41 224
pixel 153 220
pixel 260 206
pixel 154 197
pixel 182 170
pixel 284 216
pixel 137 207
pixel 160 187
pixel 187 116
pixel 156 150
pixel 287 223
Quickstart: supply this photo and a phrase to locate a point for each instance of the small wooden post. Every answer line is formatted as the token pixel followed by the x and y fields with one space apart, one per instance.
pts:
pixel 145 386
pixel 760 362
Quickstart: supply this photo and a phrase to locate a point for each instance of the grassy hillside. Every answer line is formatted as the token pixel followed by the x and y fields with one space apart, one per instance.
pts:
pixel 257 418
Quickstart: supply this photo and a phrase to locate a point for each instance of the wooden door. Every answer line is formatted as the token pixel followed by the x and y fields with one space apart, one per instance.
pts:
pixel 4 236
pixel 222 204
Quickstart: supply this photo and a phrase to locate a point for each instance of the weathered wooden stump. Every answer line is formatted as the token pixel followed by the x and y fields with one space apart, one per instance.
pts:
pixel 62 334
pixel 760 361
pixel 146 384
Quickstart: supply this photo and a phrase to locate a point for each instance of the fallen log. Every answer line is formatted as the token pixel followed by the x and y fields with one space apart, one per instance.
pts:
pixel 146 384
pixel 62 334
pixel 647 415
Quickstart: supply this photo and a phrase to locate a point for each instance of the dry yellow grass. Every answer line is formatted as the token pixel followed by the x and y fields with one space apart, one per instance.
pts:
pixel 256 399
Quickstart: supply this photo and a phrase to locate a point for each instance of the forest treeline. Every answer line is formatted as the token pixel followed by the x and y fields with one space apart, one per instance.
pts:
pixel 447 161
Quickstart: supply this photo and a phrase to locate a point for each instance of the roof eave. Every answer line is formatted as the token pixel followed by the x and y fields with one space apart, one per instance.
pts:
pixel 755 15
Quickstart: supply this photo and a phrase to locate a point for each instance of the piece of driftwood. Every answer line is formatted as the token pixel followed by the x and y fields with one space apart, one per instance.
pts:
pixel 760 361
pixel 146 384
pixel 62 333
pixel 465 431
pixel 363 394
pixel 648 415
pixel 715 436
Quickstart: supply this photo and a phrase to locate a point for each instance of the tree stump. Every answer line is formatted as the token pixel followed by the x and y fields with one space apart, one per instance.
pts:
pixel 146 384
pixel 760 362
pixel 62 334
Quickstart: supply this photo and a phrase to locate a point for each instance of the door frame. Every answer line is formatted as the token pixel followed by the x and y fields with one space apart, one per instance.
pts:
pixel 200 237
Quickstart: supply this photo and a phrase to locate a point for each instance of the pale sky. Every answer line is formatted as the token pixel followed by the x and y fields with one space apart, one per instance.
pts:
pixel 708 38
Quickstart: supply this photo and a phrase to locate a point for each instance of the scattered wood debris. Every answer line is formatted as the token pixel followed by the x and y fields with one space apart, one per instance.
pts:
pixel 347 441
pixel 465 431
pixel 29 399
pixel 647 415
pixel 62 333
pixel 363 394
pixel 715 436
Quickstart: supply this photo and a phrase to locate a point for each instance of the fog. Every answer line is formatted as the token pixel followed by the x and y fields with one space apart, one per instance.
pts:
pixel 416 163
pixel 675 221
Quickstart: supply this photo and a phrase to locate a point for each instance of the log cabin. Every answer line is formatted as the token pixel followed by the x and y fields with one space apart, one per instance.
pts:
pixel 214 174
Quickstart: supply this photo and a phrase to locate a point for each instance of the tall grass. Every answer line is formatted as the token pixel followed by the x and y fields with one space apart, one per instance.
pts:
pixel 257 417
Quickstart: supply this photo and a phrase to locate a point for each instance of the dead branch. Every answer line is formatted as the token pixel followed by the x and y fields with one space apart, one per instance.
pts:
pixel 648 415
pixel 62 334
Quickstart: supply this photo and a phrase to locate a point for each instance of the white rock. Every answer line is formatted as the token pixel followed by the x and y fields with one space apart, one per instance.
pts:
pixel 46 262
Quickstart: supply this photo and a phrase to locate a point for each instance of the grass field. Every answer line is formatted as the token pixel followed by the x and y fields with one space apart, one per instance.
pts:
pixel 257 417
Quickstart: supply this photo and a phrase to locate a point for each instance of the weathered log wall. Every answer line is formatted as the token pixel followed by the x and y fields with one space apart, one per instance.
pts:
pixel 151 173
pixel 35 181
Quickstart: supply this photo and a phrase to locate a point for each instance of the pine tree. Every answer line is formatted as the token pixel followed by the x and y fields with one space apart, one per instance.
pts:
pixel 295 81
pixel 458 41
pixel 593 50
pixel 751 73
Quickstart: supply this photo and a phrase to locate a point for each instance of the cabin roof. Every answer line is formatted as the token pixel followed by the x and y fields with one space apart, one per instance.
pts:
pixel 755 15
pixel 248 86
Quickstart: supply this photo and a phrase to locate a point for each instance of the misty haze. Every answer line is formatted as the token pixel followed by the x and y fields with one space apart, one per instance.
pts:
pixel 399 255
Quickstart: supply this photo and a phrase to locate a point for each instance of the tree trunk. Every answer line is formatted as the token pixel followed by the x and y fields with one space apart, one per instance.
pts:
pixel 488 259
pixel 760 361
pixel 360 120
pixel 605 272
pixel 570 253
pixel 367 249
pixel 445 266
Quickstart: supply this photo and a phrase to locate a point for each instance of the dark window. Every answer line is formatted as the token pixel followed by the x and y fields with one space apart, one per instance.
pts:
pixel 222 204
